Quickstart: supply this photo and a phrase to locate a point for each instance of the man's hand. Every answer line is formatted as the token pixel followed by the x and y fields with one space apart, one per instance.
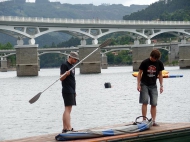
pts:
pixel 161 89
pixel 139 88
pixel 63 76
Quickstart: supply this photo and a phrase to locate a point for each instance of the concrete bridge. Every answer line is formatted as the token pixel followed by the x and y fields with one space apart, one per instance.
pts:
pixel 32 27
pixel 172 48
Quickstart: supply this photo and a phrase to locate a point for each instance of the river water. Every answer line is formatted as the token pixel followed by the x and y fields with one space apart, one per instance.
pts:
pixel 96 105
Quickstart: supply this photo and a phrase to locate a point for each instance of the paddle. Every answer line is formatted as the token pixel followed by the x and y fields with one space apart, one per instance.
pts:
pixel 36 97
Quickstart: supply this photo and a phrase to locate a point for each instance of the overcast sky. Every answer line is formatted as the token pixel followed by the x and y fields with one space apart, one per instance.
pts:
pixel 99 2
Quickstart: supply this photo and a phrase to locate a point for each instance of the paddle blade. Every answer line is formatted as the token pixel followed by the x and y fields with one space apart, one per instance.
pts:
pixel 35 98
pixel 105 43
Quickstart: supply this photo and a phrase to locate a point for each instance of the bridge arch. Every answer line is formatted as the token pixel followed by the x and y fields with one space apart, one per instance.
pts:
pixel 58 52
pixel 60 29
pixel 8 29
pixel 122 30
pixel 112 50
pixel 72 31
pixel 169 30
pixel 7 55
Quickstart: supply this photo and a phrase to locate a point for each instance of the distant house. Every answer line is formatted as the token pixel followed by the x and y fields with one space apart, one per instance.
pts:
pixel 14 1
pixel 115 53
pixel 42 1
pixel 154 40
pixel 166 1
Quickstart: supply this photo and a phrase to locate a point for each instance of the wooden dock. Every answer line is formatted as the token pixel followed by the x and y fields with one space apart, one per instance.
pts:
pixel 162 132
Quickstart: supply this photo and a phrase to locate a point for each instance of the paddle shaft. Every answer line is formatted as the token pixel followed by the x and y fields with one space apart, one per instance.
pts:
pixel 36 97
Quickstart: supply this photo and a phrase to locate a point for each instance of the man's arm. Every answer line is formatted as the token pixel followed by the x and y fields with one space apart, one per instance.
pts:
pixel 63 76
pixel 139 80
pixel 161 81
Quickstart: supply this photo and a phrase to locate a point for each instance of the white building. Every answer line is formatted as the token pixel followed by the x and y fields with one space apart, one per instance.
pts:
pixel 166 1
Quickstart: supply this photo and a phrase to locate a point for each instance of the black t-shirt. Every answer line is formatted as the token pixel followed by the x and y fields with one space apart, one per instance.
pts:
pixel 150 71
pixel 68 84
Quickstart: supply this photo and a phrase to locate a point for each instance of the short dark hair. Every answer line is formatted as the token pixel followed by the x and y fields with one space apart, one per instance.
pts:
pixel 155 54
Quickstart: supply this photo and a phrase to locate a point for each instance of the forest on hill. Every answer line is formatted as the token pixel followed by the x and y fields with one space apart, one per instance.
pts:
pixel 173 10
pixel 47 9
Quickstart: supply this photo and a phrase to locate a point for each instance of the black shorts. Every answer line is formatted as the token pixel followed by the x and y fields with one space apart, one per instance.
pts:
pixel 69 99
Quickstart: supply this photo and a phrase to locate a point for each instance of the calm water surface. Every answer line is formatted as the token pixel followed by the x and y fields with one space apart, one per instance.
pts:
pixel 96 105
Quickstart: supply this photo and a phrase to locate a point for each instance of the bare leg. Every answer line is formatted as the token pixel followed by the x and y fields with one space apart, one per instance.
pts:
pixel 153 112
pixel 67 118
pixel 144 110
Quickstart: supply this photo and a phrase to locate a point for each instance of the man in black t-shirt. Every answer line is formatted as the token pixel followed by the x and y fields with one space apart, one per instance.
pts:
pixel 149 70
pixel 68 89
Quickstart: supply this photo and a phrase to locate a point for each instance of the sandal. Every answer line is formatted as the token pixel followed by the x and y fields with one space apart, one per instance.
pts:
pixel 72 130
pixel 65 131
pixel 155 124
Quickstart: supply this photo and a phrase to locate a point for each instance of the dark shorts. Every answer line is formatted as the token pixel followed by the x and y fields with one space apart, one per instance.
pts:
pixel 148 94
pixel 69 99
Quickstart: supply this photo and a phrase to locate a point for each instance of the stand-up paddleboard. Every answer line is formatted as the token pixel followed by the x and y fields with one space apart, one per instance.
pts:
pixel 165 74
pixel 173 76
pixel 113 131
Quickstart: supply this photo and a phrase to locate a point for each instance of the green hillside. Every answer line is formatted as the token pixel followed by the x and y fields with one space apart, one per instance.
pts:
pixel 44 8
pixel 173 10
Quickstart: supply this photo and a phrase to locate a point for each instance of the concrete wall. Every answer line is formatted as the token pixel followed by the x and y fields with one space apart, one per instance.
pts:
pixel 26 60
pixel 104 62
pixel 139 53
pixel 93 63
pixel 175 52
pixel 184 56
pixel 3 64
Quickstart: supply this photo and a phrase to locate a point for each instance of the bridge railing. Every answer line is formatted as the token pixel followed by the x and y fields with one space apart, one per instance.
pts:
pixel 90 21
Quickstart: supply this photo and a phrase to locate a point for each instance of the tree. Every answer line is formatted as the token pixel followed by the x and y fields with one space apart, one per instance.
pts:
pixel 10 59
pixel 110 58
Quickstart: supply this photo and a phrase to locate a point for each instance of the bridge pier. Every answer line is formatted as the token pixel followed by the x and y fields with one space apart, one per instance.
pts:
pixel 104 61
pixel 83 42
pixel 38 63
pixel 148 41
pixel 184 56
pixel 139 53
pixel 136 42
pixel 93 63
pixel 3 64
pixel 26 60
pixel 94 41
pixel 183 41
pixel 20 41
pixel 173 54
